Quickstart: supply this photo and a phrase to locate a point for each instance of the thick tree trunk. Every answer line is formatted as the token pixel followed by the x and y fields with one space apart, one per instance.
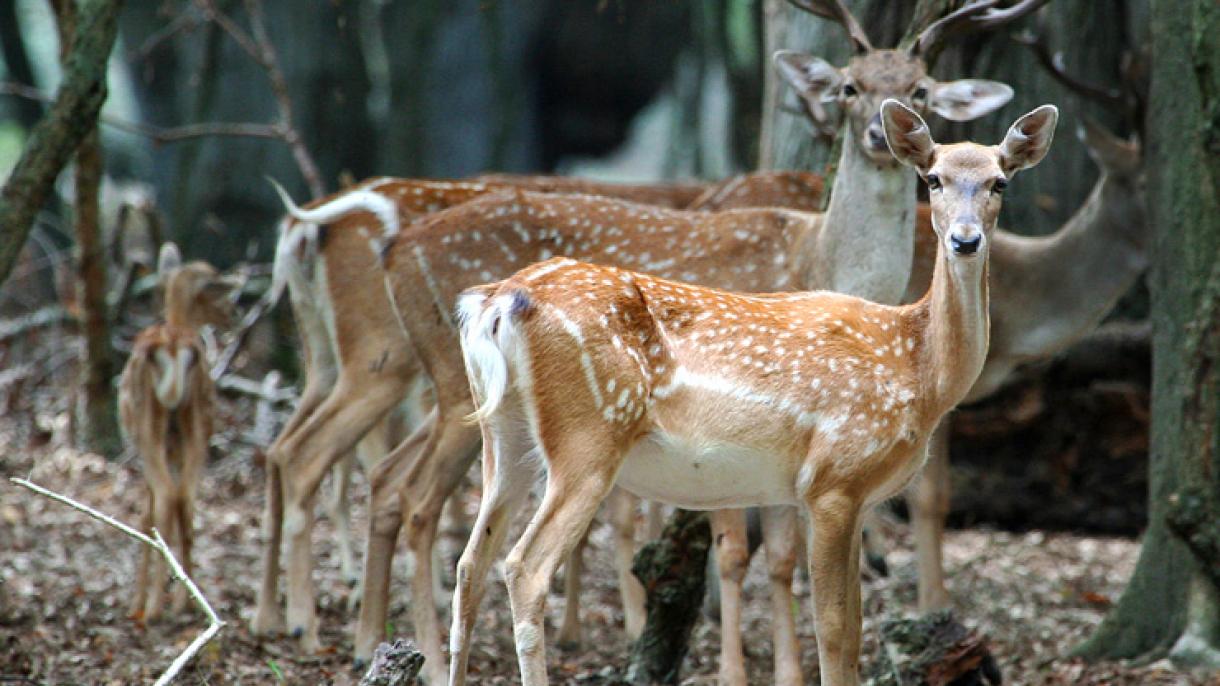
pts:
pixel 672 571
pixel 1171 602
pixel 57 135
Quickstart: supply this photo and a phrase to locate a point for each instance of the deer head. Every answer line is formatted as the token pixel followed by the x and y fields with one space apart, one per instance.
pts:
pixel 1124 185
pixel 875 75
pixel 965 181
pixel 195 293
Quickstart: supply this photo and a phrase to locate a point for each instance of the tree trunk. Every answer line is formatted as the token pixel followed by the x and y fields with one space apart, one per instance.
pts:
pixel 57 135
pixel 672 571
pixel 96 424
pixel 1171 601
pixel 96 409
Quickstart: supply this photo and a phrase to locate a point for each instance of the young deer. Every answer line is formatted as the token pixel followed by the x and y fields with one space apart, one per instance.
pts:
pixel 165 411
pixel 1096 256
pixel 710 399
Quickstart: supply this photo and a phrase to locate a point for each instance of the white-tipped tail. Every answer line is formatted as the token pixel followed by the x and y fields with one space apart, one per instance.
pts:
pixel 488 332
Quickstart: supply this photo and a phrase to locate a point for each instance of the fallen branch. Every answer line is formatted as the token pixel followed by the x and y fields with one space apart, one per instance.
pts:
pixel 225 361
pixel 156 542
pixel 38 319
pixel 255 389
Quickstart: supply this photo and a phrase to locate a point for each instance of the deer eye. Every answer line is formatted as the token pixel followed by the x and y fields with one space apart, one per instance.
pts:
pixel 999 185
pixel 933 182
pixel 849 91
pixel 920 94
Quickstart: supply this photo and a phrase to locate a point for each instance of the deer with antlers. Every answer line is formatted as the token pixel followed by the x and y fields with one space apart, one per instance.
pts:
pixel 709 399
pixel 873 204
pixel 165 410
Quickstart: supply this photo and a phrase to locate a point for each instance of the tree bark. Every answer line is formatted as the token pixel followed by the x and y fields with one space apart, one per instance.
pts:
pixel 1171 601
pixel 57 135
pixel 672 571
pixel 96 424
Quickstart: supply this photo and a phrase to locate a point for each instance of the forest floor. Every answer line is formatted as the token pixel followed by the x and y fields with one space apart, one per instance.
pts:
pixel 65 581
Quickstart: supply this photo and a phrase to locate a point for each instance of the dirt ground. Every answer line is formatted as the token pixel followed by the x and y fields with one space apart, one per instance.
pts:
pixel 66 580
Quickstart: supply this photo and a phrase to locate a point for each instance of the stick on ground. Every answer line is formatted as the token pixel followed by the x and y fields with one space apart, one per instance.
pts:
pixel 156 543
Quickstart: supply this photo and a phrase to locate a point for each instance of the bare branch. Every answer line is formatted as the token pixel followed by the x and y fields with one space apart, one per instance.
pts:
pixel 243 386
pixel 183 23
pixel 157 543
pixel 158 134
pixel 279 85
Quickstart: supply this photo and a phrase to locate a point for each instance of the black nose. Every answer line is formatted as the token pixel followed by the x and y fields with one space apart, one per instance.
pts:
pixel 966 246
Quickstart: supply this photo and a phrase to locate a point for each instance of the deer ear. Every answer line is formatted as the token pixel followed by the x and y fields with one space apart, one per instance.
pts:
pixel 907 135
pixel 810 76
pixel 968 98
pixel 168 260
pixel 1110 152
pixel 814 79
pixel 1028 139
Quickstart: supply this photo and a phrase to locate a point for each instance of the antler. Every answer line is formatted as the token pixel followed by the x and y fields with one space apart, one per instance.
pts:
pixel 975 15
pixel 1053 63
pixel 1128 97
pixel 835 10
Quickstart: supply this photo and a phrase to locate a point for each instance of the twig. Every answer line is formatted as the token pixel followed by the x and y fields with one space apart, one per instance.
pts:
pixel 279 86
pixel 38 319
pixel 241 335
pixel 159 134
pixel 254 389
pixel 186 21
pixel 157 543
pixel 259 47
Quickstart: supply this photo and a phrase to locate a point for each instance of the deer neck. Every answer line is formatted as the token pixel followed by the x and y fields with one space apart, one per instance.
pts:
pixel 1068 281
pixel 177 307
pixel 952 326
pixel 866 242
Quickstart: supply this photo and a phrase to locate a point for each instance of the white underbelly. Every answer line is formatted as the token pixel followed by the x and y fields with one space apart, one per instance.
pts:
pixel 705 476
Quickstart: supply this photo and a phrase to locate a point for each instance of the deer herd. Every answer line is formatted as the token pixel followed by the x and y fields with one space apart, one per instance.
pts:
pixel 711 347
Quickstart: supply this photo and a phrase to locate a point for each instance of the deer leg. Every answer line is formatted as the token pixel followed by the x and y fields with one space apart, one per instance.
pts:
pixel 423 498
pixel 780 541
pixel 184 515
pixel 874 543
pixel 507 475
pixel 385 521
pixel 164 521
pixel 336 427
pixel 567 508
pixel 340 516
pixel 136 610
pixel 654 520
pixel 568 637
pixel 929 502
pixel 622 513
pixel 267 618
pixel 834 570
pixel 732 560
